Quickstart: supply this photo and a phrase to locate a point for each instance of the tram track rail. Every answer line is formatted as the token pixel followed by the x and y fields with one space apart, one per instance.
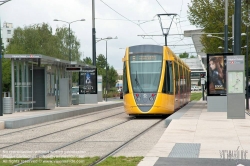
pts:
pixel 72 142
pixel 72 127
pixel 58 121
pixel 111 153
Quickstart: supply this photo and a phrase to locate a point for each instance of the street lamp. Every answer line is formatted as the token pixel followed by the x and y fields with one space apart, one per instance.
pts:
pixel 106 39
pixel 220 47
pixel 212 36
pixel 165 31
pixel 69 33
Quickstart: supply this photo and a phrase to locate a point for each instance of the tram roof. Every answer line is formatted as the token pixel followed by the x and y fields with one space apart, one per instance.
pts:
pixel 46 60
pixel 178 59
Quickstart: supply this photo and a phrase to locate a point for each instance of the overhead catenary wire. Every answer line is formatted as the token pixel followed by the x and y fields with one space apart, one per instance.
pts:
pixel 139 22
pixel 161 6
pixel 174 20
pixel 127 19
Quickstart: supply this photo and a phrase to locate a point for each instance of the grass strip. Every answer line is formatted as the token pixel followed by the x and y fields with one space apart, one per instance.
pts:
pixel 196 96
pixel 110 161
pixel 121 161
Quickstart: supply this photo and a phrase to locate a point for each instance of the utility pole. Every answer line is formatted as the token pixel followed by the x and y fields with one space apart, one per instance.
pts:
pixel 69 45
pixel 106 72
pixel 247 89
pixel 246 64
pixel 1 83
pixel 237 30
pixel 93 34
pixel 226 27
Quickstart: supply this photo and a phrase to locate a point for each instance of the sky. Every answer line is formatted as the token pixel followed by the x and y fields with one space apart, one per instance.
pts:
pixel 126 20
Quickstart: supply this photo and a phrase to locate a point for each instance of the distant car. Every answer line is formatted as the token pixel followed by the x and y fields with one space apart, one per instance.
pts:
pixel 195 88
pixel 75 90
pixel 121 94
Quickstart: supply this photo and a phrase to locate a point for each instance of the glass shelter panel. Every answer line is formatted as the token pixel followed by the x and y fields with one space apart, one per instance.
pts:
pixel 23 86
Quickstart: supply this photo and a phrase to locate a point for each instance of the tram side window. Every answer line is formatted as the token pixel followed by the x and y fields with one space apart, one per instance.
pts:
pixel 176 78
pixel 168 79
pixel 186 80
pixel 181 79
pixel 125 80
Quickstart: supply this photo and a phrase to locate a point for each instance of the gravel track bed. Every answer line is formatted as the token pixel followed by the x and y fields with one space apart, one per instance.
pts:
pixel 105 142
pixel 97 145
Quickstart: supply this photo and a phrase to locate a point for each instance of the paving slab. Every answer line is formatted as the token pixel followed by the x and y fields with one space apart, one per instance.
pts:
pixel 219 139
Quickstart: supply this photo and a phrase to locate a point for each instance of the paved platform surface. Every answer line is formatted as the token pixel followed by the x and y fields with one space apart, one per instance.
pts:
pixel 196 137
pixel 27 118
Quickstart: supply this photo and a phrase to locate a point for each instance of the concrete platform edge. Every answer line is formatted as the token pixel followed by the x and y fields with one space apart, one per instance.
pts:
pixel 23 122
pixel 179 113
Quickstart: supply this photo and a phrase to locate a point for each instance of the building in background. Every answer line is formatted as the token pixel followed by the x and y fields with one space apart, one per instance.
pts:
pixel 197 65
pixel 196 37
pixel 7 33
pixel 197 68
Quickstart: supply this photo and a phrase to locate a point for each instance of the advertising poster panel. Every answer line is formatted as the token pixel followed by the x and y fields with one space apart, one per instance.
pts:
pixel 216 74
pixel 88 81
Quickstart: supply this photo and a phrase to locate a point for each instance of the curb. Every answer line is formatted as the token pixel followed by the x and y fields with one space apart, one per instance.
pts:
pixel 178 114
pixel 32 120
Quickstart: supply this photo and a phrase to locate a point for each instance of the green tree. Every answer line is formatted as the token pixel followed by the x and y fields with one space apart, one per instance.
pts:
pixel 65 43
pixel 87 60
pixel 184 55
pixel 6 72
pixel 101 61
pixel 38 39
pixel 210 16
pixel 111 72
pixel 112 77
pixel 192 56
pixel 101 66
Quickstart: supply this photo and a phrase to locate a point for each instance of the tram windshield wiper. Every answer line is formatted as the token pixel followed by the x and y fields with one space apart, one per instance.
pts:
pixel 137 83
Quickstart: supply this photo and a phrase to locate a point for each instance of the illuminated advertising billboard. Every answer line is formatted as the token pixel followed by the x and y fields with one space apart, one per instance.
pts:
pixel 216 74
pixel 88 81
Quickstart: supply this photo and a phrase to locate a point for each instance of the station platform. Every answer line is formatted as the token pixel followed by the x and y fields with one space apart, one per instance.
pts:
pixel 27 118
pixel 197 137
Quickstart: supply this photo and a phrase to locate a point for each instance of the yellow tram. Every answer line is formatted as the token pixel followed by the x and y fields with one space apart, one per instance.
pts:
pixel 155 81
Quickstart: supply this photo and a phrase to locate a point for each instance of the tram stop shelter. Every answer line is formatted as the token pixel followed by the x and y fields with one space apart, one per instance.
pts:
pixel 39 81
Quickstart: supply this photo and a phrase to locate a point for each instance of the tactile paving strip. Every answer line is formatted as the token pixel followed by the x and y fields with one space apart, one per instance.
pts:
pixel 185 150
